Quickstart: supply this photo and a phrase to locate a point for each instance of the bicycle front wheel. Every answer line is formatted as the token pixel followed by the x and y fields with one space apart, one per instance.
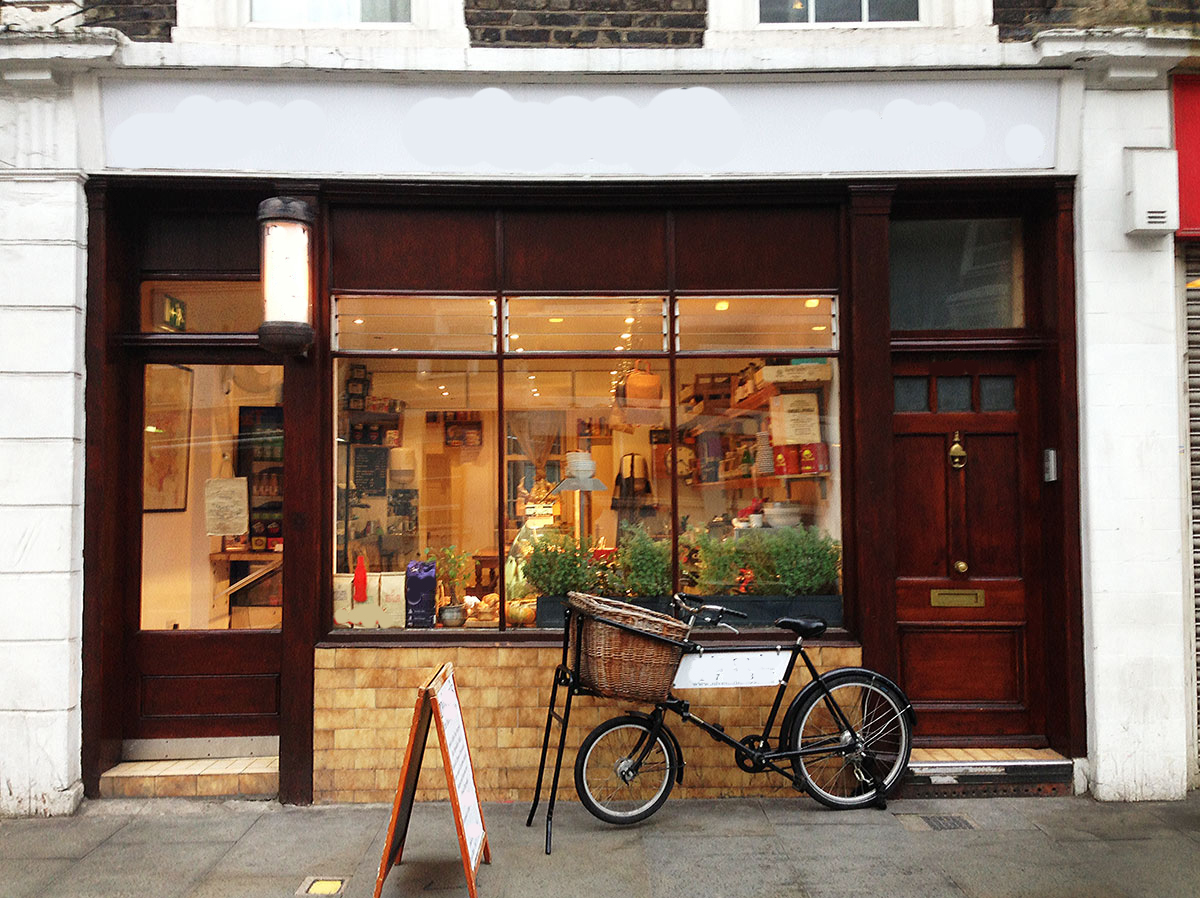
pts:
pixel 621 775
pixel 840 768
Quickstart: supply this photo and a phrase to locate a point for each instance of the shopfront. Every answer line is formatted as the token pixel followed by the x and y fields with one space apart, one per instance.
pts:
pixel 843 397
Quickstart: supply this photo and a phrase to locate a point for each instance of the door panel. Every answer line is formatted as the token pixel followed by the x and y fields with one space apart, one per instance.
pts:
pixel 192 684
pixel 967 510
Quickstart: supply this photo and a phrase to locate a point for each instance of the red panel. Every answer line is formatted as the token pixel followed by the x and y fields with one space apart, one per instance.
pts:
pixel 412 249
pixel 586 249
pixel 962 664
pixel 993 505
pixel 758 249
pixel 920 506
pixel 1187 143
pixel 212 696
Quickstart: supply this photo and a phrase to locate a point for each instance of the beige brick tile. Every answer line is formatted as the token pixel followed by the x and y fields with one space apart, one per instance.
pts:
pixel 322 739
pixel 333 719
pixel 133 787
pixel 324 658
pixel 217 784
pixel 354 738
pixel 168 786
pixel 349 780
pixel 396 698
pixel 375 677
pixel 333 678
pixel 258 784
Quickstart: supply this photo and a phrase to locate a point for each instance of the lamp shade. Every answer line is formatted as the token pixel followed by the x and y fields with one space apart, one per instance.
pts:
pixel 286 232
pixel 580 468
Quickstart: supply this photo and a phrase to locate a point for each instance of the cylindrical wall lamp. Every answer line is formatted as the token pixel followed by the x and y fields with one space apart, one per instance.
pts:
pixel 285 225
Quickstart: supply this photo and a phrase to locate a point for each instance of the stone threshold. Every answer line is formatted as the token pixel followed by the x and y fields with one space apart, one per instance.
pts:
pixel 987 773
pixel 193 778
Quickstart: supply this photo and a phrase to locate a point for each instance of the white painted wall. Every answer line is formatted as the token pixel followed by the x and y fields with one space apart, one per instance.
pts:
pixel 42 257
pixel 1132 469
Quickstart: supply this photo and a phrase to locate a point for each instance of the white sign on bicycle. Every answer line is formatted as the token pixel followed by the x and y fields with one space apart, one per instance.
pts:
pixel 716 669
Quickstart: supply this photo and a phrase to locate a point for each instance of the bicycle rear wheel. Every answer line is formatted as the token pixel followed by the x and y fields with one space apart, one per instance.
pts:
pixel 844 766
pixel 611 782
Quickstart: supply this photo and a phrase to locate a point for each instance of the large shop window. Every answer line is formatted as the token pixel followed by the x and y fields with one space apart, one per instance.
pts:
pixel 584 443
pixel 329 12
pixel 838 11
pixel 212 496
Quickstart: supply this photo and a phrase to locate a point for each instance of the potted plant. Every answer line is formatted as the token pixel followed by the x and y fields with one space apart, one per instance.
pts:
pixel 452 567
pixel 558 564
pixel 770 573
pixel 643 566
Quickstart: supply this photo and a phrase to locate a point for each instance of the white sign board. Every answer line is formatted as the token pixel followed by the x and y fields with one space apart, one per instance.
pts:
pixel 726 670
pixel 588 129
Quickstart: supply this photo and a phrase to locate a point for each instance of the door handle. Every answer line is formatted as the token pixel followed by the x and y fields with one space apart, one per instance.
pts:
pixel 958 455
pixel 960 566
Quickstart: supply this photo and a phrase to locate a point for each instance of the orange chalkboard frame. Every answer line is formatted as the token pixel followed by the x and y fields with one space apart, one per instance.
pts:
pixel 445 711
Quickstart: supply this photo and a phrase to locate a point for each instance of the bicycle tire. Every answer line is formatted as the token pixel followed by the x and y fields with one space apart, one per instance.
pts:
pixel 840 778
pixel 601 769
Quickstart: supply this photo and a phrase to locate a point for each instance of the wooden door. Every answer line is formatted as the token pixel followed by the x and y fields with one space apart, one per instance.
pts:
pixel 968 593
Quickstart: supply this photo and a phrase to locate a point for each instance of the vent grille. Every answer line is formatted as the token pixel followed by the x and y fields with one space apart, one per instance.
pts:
pixel 1156 217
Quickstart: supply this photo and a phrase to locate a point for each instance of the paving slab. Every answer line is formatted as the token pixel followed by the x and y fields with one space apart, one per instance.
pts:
pixel 59 837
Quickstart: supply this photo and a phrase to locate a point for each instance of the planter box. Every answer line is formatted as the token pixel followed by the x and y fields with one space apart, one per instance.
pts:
pixel 763 611
pixel 550 608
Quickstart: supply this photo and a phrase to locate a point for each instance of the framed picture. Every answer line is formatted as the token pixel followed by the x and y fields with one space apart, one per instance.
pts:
pixel 167 437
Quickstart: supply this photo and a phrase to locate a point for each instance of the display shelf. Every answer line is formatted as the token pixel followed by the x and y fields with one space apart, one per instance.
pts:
pixel 740 483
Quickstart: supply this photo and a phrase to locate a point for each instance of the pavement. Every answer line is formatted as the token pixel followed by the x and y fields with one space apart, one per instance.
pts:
pixel 188 848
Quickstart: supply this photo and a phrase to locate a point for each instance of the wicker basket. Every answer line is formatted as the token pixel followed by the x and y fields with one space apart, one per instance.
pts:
pixel 619 664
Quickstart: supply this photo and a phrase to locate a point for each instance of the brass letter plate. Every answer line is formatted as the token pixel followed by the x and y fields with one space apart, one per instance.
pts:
pixel 956 598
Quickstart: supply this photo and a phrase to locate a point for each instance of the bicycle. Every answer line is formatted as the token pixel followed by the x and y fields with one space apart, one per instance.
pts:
pixel 845 739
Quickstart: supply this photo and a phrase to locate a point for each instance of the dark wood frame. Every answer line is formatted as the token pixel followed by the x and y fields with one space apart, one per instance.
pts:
pixel 117 208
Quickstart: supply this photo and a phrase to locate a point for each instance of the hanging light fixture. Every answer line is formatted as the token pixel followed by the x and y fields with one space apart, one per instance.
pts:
pixel 285 225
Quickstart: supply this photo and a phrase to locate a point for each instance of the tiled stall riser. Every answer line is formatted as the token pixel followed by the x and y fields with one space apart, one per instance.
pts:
pixel 364 704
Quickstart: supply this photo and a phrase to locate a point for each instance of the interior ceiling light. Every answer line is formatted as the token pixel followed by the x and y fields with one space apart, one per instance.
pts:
pixel 626 336
pixel 533 377
pixel 619 348
pixel 358 321
pixel 514 336
pixel 395 349
pixel 818 327
pixel 1192 285
pixel 723 305
pixel 629 320
pixel 556 321
pixel 811 303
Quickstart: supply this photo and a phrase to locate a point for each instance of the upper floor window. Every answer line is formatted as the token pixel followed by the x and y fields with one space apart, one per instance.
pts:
pixel 329 12
pixel 837 11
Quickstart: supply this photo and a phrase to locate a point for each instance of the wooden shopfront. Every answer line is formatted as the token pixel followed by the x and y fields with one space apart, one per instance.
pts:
pixel 885 370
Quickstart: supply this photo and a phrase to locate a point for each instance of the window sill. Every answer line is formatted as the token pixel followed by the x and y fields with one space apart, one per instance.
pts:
pixel 533 638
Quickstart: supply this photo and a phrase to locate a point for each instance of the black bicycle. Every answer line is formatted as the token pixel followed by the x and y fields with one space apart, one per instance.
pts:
pixel 845 739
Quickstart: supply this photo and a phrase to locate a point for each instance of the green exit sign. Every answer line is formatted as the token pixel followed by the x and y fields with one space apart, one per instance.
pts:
pixel 174 314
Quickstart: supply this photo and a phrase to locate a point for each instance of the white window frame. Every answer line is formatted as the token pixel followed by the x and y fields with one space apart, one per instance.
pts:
pixel 434 23
pixel 734 22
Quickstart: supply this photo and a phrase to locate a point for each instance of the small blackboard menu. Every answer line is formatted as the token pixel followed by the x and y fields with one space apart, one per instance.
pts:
pixel 370 470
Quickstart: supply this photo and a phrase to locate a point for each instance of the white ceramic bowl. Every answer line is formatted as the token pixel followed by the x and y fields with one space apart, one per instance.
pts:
pixel 779 515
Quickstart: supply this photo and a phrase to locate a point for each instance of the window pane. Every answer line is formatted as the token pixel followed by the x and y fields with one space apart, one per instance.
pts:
pixel 415 323
pixel 417 481
pixel 201 307
pixel 328 12
pixel 893 10
pixel 783 10
pixel 758 471
pixel 838 11
pixel 767 323
pixel 212 441
pixel 563 324
pixel 911 394
pixel 587 509
pixel 954 394
pixel 959 275
pixel 997 393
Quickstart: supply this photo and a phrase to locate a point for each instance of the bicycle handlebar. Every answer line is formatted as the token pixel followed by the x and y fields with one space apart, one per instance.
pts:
pixel 720 610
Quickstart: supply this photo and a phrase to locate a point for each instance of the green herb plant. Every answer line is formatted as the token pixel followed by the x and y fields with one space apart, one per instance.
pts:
pixel 557 564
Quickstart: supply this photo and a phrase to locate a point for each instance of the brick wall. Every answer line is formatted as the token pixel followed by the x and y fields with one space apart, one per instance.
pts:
pixel 364 704
pixel 1021 19
pixel 586 23
pixel 140 21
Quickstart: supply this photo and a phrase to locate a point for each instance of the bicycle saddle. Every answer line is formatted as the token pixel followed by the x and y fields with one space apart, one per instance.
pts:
pixel 804 627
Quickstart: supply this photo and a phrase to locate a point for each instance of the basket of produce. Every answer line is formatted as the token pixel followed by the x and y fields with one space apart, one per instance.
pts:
pixel 618 663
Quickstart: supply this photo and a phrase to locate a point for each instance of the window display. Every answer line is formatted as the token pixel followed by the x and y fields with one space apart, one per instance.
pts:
pixel 475 494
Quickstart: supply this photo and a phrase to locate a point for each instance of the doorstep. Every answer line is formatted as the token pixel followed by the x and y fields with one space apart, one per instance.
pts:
pixel 987 773
pixel 198 778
